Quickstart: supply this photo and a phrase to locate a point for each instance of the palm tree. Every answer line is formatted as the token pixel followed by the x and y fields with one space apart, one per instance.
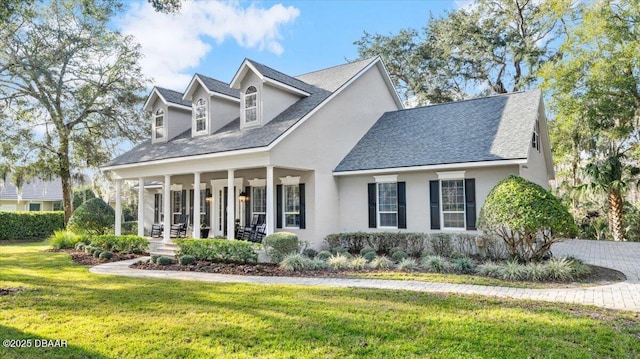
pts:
pixel 611 176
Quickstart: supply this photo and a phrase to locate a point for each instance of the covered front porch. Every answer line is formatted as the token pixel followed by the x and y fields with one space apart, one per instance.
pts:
pixel 219 200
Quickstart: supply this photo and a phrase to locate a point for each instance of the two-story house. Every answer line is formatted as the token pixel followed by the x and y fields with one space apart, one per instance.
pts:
pixel 325 152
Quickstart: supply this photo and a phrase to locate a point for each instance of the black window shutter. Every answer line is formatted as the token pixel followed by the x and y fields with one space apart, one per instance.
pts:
pixel 207 206
pixel 156 208
pixel 470 201
pixel 192 206
pixel 402 205
pixel 303 223
pixel 184 201
pixel 247 207
pixel 278 206
pixel 372 205
pixel 434 203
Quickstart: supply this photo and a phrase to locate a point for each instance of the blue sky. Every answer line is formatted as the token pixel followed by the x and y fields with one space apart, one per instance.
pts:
pixel 295 37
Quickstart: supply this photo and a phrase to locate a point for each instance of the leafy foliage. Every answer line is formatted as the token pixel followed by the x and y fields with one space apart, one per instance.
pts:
pixel 121 244
pixel 64 239
pixel 29 225
pixel 65 73
pixel 94 217
pixel 82 195
pixel 497 46
pixel 219 250
pixel 186 260
pixel 528 218
pixel 280 244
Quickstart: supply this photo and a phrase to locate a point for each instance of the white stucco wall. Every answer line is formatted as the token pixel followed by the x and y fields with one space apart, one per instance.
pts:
pixel 274 101
pixel 176 120
pixel 538 162
pixel 354 197
pixel 323 140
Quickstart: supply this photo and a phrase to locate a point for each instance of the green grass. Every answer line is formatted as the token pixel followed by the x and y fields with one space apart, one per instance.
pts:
pixel 116 317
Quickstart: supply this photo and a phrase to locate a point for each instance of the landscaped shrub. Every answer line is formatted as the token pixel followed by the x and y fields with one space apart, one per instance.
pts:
pixel 340 250
pixel 96 253
pixel 63 239
pixel 164 261
pixel 323 255
pixel 441 244
pixel 512 270
pixel 463 265
pixel 187 260
pixel 381 262
pixel 407 265
pixel 123 244
pixel 280 244
pixel 88 249
pixel 535 271
pixel 527 217
pixel 29 225
pixel 339 261
pixel 310 252
pixel 560 269
pixel 397 256
pixel 435 264
pixel 94 216
pixel 318 264
pixel 490 269
pixel 295 262
pixel 130 227
pixel 358 263
pixel 154 258
pixel 219 250
pixel 380 242
pixel 80 246
pixel 369 256
pixel 366 250
pixel 106 255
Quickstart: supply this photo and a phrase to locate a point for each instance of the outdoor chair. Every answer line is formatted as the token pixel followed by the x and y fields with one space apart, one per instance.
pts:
pixel 180 229
pixel 156 230
pixel 249 233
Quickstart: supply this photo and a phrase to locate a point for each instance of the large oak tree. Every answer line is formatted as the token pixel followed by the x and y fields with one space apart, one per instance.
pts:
pixel 70 90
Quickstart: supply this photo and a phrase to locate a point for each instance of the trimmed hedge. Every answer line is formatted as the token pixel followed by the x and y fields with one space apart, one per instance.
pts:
pixel 30 225
pixel 121 244
pixel 219 250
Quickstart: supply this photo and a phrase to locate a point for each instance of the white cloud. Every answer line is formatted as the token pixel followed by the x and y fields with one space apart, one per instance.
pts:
pixel 174 43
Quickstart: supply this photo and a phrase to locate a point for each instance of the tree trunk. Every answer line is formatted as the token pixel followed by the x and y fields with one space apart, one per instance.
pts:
pixel 615 216
pixel 65 177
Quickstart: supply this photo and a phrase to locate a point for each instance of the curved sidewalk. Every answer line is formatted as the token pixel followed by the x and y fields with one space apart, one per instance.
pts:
pixel 624 295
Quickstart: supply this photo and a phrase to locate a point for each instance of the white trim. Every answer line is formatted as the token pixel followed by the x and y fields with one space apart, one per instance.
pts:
pixel 242 70
pixel 386 179
pixel 258 182
pixel 390 85
pixel 164 101
pixel 286 87
pixel 290 180
pixel 224 96
pixel 41 203
pixel 464 212
pixel 322 104
pixel 432 167
pixel 188 94
pixel 453 175
pixel 379 221
pixel 194 121
pixel 183 158
pixel 293 184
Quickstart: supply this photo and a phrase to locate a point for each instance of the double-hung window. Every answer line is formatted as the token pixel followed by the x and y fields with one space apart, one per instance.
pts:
pixel 453 202
pixel 159 124
pixel 291 200
pixel 177 206
pixel 259 200
pixel 200 116
pixel 388 204
pixel 251 105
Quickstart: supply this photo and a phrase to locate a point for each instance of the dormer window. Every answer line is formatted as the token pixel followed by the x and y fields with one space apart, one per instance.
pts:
pixel 159 122
pixel 200 116
pixel 250 105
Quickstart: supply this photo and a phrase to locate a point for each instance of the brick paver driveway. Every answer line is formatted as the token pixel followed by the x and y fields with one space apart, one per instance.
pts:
pixel 624 257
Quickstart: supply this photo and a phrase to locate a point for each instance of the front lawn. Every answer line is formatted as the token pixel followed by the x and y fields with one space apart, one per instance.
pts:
pixel 115 317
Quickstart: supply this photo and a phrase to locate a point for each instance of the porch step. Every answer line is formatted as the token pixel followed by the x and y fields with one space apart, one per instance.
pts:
pixel 164 250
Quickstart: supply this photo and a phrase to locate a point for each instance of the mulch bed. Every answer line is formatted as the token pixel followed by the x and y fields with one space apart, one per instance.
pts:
pixel 86 259
pixel 598 274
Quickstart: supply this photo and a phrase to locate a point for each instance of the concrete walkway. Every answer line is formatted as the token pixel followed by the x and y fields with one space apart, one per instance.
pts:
pixel 624 257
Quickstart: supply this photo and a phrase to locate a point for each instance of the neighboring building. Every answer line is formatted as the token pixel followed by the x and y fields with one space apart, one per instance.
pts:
pixel 329 151
pixel 36 195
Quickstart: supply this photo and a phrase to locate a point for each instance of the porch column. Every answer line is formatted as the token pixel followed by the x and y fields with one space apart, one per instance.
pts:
pixel 118 207
pixel 196 205
pixel 141 206
pixel 231 208
pixel 271 218
pixel 166 209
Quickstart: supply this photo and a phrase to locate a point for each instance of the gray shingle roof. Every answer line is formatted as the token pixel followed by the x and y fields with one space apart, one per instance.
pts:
pixel 332 78
pixel 231 137
pixel 281 77
pixel 483 129
pixel 173 96
pixel 218 86
pixel 35 190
